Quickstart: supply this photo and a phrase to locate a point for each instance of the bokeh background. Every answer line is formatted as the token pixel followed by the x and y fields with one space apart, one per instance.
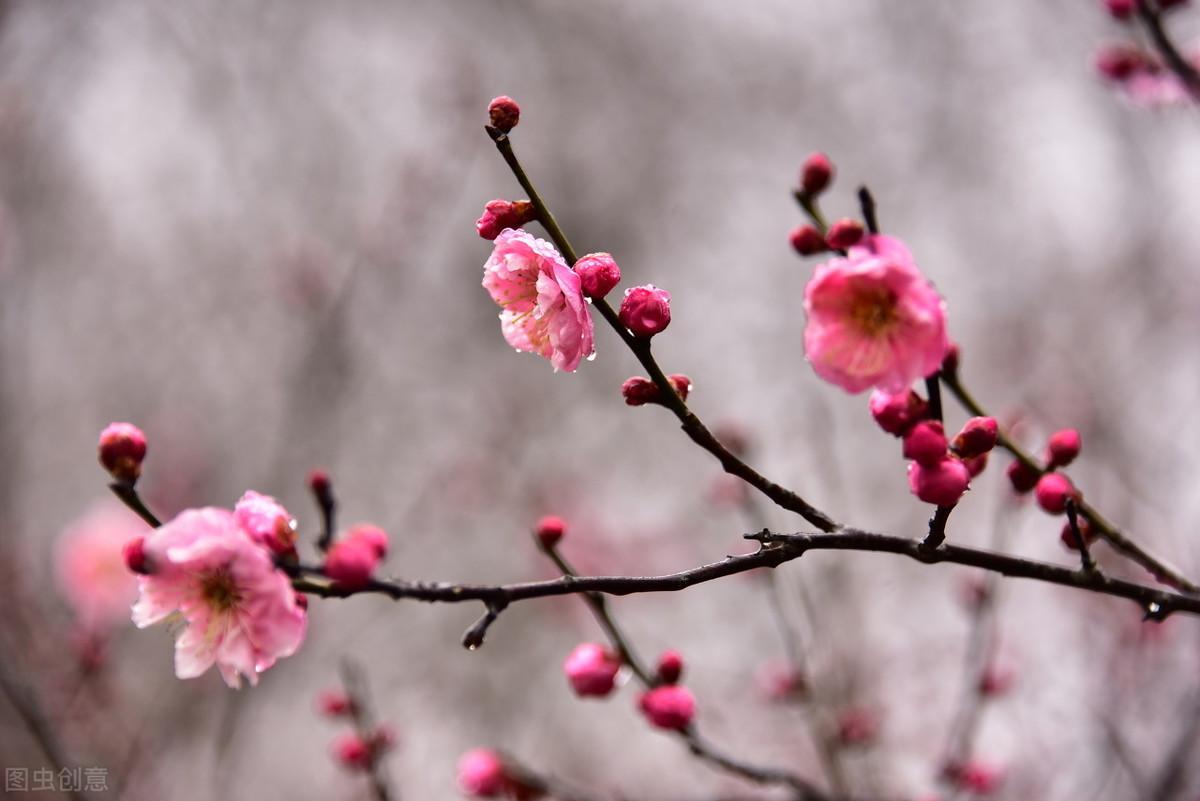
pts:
pixel 247 226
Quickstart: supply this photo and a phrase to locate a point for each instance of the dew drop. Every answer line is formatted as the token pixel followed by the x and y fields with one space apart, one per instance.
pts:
pixel 1153 608
pixel 592 356
pixel 472 647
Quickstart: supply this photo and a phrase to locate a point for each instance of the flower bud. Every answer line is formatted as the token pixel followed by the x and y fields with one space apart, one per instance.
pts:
pixel 134 553
pixel 1121 9
pixel 1118 62
pixel 671 706
pixel 319 483
pixel 857 727
pixel 334 704
pixel 997 679
pixel 897 413
pixel 979 778
pixel 1068 534
pixel 925 443
pixel 504 113
pixel 670 667
pixel 681 384
pixel 549 530
pixel 1062 448
pixel 816 174
pixel 639 390
pixel 352 752
pixel 950 360
pixel 1053 490
pixel 598 274
pixel 373 537
pixel 807 240
pixel 351 563
pixel 592 670
pixel 500 214
pixel 267 522
pixel 122 450
pixel 301 600
pixel 779 681
pixel 977 437
pixel 646 310
pixel 1022 477
pixel 976 464
pixel 941 484
pixel 481 774
pixel 844 233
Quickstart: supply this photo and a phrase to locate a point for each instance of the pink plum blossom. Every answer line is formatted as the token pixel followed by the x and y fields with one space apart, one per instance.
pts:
pixel 90 564
pixel 873 319
pixel 240 610
pixel 544 311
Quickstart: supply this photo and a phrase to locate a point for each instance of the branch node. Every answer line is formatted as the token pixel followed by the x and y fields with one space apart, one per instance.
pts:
pixel 473 638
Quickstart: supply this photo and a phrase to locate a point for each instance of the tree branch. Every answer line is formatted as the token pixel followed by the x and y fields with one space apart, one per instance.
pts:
pixel 1151 18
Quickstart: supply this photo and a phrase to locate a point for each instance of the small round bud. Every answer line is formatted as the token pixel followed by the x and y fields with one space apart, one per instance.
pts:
pixel 925 443
pixel 1062 448
pixel 319 483
pixel 1068 538
pixel 807 240
pixel 646 310
pixel 134 554
pixel 500 214
pixel 844 233
pixel 1118 62
pixel 670 667
pixel 1053 490
pixel 351 563
pixel 592 670
pixel 979 778
pixel 549 530
pixel 897 413
pixel 681 384
pixel 352 752
pixel 373 537
pixel 1022 477
pixel 941 484
pixel 779 681
pixel 504 113
pixel 481 774
pixel 977 437
pixel 122 450
pixel 639 390
pixel 598 274
pixel 671 706
pixel 334 704
pixel 816 174
pixel 301 601
pixel 857 727
pixel 1121 9
pixel 997 679
pixel 950 360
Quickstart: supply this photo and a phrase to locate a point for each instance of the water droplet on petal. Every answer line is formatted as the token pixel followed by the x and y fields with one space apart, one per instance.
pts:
pixel 592 356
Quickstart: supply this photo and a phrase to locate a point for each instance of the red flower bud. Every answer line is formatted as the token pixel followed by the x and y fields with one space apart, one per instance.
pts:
pixel 1063 447
pixel 807 240
pixel 351 563
pixel 671 706
pixel 844 233
pixel 122 450
pixel 941 484
pixel 504 113
pixel 134 553
pixel 598 274
pixel 1053 490
pixel 592 670
pixel 670 667
pixel 925 443
pixel 1022 477
pixel 897 413
pixel 550 530
pixel 816 174
pixel 977 437
pixel 646 310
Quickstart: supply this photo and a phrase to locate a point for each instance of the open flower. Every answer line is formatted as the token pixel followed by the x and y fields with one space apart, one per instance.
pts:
pixel 873 319
pixel 90 565
pixel 544 311
pixel 240 610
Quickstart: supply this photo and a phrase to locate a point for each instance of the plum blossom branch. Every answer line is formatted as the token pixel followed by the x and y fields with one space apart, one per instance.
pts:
pixel 1099 524
pixel 696 744
pixel 365 726
pixel 128 494
pixel 778 549
pixel 691 424
pixel 1149 12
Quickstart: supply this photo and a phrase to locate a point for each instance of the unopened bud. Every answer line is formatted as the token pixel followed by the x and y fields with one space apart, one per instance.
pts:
pixel 646 310
pixel 549 530
pixel 504 113
pixel 122 450
pixel 670 667
pixel 925 443
pixel 598 274
pixel 816 174
pixel 844 233
pixel 977 437
pixel 807 240
pixel 1053 491
pixel 1063 447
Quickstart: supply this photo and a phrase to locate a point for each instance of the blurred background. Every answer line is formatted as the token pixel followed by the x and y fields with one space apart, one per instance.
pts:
pixel 247 226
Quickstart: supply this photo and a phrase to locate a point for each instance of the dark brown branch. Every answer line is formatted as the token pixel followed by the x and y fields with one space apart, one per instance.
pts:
pixel 129 496
pixel 363 717
pixel 1159 569
pixel 1151 18
pixel 867 203
pixel 779 548
pixel 937 527
pixel 691 424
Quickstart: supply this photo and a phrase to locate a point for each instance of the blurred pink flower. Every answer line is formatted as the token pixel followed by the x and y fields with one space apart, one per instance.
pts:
pixel 544 308
pixel 90 564
pixel 873 319
pixel 481 773
pixel 240 610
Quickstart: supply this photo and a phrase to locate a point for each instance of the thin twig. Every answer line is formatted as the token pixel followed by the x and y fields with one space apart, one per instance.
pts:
pixel 129 496
pixel 1158 568
pixel 363 717
pixel 1085 555
pixel 1150 16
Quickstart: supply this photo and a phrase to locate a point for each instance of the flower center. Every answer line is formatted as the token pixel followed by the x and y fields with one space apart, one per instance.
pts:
pixel 873 310
pixel 220 592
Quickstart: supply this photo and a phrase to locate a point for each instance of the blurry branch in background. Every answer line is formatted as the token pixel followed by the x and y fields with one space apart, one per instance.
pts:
pixel 1150 13
pixel 375 738
pixel 699 747
pixel 1171 779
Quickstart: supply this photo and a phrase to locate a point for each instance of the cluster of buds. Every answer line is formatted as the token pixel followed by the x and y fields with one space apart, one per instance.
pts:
pixel 1051 489
pixel 501 214
pixel 639 390
pixel 122 450
pixel 1140 73
pixel 351 561
pixel 941 469
pixel 816 174
pixel 355 751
